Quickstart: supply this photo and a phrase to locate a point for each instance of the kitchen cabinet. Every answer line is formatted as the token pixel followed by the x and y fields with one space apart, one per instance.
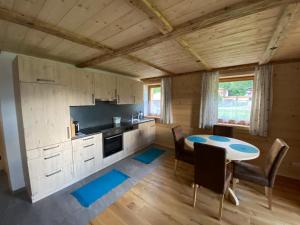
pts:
pixel 81 88
pixel 147 133
pixel 50 169
pixel 36 70
pixel 129 91
pixel 125 94
pixel 45 113
pixel 88 155
pixel 105 87
pixel 131 142
pixel 138 88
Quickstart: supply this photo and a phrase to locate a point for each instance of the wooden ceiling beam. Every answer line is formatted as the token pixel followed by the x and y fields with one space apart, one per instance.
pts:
pixel 280 32
pixel 139 60
pixel 229 13
pixel 36 24
pixel 162 23
pixel 159 20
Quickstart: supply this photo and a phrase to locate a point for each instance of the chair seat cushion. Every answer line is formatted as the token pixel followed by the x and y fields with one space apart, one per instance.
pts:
pixel 250 172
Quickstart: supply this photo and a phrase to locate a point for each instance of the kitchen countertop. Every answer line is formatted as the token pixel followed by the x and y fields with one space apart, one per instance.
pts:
pixel 122 125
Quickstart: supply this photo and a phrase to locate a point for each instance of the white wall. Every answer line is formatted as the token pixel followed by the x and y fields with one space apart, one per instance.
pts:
pixel 9 122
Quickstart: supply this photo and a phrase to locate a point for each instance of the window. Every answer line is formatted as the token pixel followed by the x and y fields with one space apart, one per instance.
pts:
pixel 154 94
pixel 235 99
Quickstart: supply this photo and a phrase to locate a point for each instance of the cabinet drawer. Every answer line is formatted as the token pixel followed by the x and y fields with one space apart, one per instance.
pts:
pixel 87 142
pixel 52 163
pixel 52 149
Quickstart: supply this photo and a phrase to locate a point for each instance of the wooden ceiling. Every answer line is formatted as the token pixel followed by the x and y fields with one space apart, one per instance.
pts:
pixel 147 38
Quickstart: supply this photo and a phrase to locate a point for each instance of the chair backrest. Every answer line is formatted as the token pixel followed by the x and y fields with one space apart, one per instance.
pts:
pixel 210 167
pixel 178 137
pixel 221 130
pixel 274 158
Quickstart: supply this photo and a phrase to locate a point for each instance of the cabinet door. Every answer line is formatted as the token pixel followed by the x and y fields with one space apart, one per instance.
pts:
pixel 105 87
pixel 125 90
pixel 81 88
pixel 36 70
pixel 42 123
pixel 138 92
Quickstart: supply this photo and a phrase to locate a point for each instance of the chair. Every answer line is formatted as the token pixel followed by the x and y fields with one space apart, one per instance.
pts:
pixel 264 176
pixel 210 171
pixel 181 153
pixel 221 130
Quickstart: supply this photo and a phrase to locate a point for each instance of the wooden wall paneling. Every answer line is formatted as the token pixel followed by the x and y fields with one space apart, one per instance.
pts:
pixel 233 12
pixel 281 31
pixel 284 121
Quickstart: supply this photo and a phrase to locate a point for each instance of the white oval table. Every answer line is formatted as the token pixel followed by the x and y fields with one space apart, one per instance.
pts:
pixel 236 150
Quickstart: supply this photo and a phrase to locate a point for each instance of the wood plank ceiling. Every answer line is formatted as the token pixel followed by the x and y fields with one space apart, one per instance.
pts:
pixel 173 36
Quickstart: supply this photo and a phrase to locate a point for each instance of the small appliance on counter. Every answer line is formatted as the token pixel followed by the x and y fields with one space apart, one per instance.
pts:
pixel 116 120
pixel 76 126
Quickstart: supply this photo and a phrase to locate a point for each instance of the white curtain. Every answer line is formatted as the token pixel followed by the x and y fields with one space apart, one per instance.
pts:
pixel 166 114
pixel 261 100
pixel 209 100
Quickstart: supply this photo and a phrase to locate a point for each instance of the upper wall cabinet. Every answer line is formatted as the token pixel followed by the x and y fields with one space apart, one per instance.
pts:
pixel 129 91
pixel 81 88
pixel 105 87
pixel 125 93
pixel 40 71
pixel 138 92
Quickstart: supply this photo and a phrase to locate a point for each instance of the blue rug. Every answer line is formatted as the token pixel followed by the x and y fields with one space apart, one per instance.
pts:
pixel 91 192
pixel 149 155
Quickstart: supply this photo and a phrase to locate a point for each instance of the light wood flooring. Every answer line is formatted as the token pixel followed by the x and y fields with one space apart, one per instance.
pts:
pixel 162 198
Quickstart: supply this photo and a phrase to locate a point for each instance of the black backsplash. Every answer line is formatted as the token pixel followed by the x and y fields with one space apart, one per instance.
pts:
pixel 102 113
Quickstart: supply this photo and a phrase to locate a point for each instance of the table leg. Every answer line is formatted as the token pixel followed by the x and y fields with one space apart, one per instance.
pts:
pixel 232 197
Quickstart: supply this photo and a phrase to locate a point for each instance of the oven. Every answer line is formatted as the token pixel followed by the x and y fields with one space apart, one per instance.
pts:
pixel 112 144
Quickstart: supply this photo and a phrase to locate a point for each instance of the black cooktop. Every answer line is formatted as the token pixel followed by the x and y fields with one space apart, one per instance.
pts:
pixel 108 129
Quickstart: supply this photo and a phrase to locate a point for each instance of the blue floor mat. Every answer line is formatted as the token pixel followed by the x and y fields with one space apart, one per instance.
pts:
pixel 149 155
pixel 91 192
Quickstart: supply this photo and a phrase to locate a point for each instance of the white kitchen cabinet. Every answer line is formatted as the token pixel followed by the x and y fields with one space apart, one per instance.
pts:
pixel 138 88
pixel 131 142
pixel 105 87
pixel 37 70
pixel 81 88
pixel 50 169
pixel 88 154
pixel 45 113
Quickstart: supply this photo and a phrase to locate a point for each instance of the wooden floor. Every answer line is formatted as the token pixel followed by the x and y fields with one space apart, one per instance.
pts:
pixel 162 198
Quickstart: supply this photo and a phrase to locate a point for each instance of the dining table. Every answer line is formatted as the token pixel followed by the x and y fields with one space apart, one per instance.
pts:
pixel 236 150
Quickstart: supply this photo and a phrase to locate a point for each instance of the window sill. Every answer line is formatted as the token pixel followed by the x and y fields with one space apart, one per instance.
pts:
pixel 238 126
pixel 152 117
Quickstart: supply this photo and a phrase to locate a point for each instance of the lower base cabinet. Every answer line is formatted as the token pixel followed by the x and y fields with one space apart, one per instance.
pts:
pixel 50 169
pixel 87 154
pixel 54 167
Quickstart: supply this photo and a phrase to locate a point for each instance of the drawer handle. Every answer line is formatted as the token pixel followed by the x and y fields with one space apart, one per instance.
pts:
pixel 85 139
pixel 89 159
pixel 45 80
pixel 53 156
pixel 51 174
pixel 86 146
pixel 46 149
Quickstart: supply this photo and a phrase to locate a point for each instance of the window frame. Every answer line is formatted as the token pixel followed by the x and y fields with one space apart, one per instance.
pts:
pixel 149 100
pixel 233 78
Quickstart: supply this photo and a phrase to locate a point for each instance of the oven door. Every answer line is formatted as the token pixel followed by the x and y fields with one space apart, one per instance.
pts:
pixel 112 145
